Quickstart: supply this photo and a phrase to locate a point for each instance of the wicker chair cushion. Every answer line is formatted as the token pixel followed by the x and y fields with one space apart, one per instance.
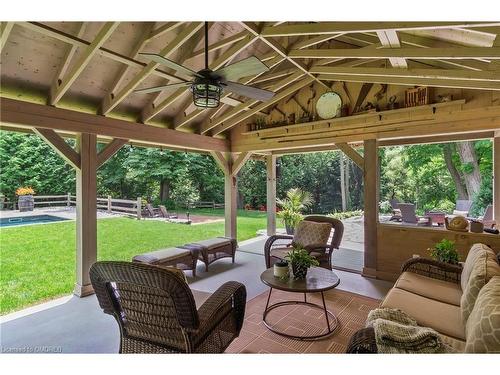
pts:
pixel 483 326
pixel 438 290
pixel 475 251
pixel 280 252
pixel 484 269
pixel 311 233
pixel 162 255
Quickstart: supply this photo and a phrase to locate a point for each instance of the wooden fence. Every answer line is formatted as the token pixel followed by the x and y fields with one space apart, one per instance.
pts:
pixel 202 204
pixel 111 205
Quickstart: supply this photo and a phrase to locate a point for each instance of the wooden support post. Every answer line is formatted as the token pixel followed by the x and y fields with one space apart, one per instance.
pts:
pixel 109 203
pixel 86 213
pixel 139 208
pixel 230 203
pixel 342 182
pixel 496 178
pixel 271 194
pixel 68 203
pixel 371 206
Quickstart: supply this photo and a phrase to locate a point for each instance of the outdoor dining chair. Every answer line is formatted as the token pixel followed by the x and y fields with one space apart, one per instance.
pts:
pixel 409 216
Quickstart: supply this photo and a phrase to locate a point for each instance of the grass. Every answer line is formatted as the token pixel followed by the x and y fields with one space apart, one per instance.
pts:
pixel 37 262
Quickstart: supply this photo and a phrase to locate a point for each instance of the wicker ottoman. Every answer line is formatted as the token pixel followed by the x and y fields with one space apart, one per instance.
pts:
pixel 214 248
pixel 179 257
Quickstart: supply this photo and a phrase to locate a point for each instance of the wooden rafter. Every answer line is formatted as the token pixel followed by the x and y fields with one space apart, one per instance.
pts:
pixel 352 154
pixel 5 29
pixel 407 53
pixel 161 30
pixel 19 113
pixel 209 125
pixel 71 39
pixel 389 39
pixel 110 103
pixel 61 86
pixel 243 116
pixel 360 27
pixel 221 161
pixel 134 53
pixel 149 112
pixel 57 143
pixel 254 29
pixel 220 44
pixel 109 150
pixel 239 162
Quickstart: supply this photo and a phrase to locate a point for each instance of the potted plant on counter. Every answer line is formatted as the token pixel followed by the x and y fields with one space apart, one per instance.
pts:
pixel 25 201
pixel 444 251
pixel 292 206
pixel 300 260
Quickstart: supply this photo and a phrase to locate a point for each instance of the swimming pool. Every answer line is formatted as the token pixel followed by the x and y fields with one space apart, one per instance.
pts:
pixel 25 220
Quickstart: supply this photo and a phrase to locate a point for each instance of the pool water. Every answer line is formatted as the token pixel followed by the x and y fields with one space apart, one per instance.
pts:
pixel 25 220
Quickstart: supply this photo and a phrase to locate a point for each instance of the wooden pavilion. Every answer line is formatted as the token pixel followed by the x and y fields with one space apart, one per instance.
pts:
pixel 78 80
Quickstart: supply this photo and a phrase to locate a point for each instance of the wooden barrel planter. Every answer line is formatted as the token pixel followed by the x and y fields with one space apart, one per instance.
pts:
pixel 25 203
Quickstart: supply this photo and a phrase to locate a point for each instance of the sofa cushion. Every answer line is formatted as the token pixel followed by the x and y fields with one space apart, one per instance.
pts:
pixel 424 286
pixel 475 251
pixel 442 317
pixel 484 268
pixel 483 326
pixel 311 233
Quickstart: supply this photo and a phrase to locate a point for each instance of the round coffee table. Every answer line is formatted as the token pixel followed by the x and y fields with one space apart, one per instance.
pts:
pixel 317 280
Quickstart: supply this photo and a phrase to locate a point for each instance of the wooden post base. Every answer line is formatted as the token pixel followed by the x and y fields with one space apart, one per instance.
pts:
pixel 83 290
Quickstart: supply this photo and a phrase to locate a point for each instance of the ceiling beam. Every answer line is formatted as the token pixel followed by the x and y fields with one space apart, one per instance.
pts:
pixel 61 86
pixel 389 39
pixel 360 27
pixel 220 44
pixel 315 40
pixel 109 150
pixel 408 53
pixel 243 116
pixel 71 39
pixel 152 110
pixel 19 113
pixel 414 81
pixel 169 26
pixel 110 103
pixel 5 29
pixel 245 106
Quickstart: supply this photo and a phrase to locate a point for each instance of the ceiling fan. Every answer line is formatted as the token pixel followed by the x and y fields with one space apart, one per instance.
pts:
pixel 207 85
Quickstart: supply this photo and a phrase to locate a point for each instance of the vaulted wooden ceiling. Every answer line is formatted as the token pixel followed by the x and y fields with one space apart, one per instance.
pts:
pixel 94 67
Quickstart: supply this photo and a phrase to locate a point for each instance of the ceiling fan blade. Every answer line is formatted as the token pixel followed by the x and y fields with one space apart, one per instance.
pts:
pixel 243 68
pixel 171 64
pixel 248 91
pixel 148 90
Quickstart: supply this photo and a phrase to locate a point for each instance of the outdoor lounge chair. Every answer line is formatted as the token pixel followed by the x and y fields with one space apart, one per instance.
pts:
pixel 164 212
pixel 396 212
pixel 150 211
pixel 409 216
pixel 274 252
pixel 156 311
pixel 487 218
pixel 462 207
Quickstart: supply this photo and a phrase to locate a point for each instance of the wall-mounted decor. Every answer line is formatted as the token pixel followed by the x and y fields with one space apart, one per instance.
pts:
pixel 416 96
pixel 329 105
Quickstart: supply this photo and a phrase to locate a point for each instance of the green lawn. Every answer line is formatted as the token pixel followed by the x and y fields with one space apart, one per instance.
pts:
pixel 37 262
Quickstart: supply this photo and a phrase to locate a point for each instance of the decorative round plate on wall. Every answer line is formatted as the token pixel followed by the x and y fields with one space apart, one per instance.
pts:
pixel 329 105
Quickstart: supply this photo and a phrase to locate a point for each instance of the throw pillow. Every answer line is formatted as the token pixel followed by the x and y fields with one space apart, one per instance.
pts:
pixel 475 251
pixel 312 233
pixel 482 331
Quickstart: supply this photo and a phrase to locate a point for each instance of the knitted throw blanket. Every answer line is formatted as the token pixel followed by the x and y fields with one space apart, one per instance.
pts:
pixel 398 333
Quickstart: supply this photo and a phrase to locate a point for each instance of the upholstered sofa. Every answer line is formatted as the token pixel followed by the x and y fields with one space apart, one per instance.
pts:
pixel 461 302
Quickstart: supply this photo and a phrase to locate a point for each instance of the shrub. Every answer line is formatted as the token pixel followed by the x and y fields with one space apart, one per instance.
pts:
pixel 444 251
pixel 345 214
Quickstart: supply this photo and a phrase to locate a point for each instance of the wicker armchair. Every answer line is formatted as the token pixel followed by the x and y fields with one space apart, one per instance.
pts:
pixel 322 252
pixel 363 341
pixel 156 311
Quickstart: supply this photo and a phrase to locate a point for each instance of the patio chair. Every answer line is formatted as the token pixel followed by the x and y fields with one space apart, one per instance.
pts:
pixel 409 216
pixel 164 212
pixel 274 252
pixel 462 207
pixel 156 311
pixel 396 212
pixel 487 218
pixel 150 211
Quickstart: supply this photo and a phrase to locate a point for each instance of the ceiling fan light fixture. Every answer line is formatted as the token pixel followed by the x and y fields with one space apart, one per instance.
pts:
pixel 206 95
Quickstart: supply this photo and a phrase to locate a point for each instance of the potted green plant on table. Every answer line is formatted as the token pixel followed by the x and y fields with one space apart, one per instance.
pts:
pixel 444 251
pixel 292 206
pixel 25 202
pixel 301 261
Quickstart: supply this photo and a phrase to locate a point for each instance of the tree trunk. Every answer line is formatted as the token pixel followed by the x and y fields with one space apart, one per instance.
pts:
pixel 239 196
pixel 164 190
pixel 470 167
pixel 455 174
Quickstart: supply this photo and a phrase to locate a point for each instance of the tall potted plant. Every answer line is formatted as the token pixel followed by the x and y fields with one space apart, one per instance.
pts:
pixel 292 206
pixel 25 200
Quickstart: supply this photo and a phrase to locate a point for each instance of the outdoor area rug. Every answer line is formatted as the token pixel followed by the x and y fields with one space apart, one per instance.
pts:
pixel 351 311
